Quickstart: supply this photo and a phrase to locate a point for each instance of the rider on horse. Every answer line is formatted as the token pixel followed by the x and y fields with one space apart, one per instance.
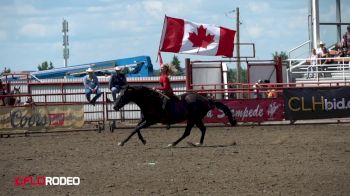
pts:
pixel 164 81
pixel 165 87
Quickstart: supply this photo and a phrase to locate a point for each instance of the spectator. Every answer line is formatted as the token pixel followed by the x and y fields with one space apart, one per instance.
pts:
pixel 323 52
pixel 313 64
pixel 117 82
pixel 270 91
pixel 258 89
pixel 2 92
pixel 339 51
pixel 92 86
pixel 346 41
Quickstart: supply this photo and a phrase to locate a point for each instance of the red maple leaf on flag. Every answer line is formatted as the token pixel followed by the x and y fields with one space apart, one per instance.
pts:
pixel 201 39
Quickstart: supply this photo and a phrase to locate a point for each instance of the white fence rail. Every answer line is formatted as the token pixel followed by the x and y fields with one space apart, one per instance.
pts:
pixel 329 69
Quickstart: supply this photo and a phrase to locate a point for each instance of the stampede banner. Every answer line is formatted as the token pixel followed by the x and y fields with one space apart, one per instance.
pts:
pixel 257 110
pixel 41 117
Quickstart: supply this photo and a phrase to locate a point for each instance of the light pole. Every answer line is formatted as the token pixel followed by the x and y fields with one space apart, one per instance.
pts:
pixel 65 42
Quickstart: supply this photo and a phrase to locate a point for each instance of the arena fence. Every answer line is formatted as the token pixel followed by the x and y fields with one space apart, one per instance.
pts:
pixel 260 102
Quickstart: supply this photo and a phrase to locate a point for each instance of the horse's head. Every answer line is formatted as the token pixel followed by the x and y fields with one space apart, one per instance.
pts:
pixel 125 96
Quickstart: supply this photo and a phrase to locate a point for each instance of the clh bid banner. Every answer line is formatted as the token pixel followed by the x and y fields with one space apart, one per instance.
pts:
pixel 311 103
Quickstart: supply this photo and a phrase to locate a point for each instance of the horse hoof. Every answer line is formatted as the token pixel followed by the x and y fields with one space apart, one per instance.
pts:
pixel 144 142
pixel 194 144
pixel 170 146
pixel 120 144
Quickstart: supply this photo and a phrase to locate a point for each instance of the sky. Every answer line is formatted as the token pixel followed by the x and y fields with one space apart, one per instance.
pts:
pixel 100 30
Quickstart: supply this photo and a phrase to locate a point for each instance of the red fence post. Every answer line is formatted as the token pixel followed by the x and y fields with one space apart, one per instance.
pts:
pixel 188 74
pixel 278 67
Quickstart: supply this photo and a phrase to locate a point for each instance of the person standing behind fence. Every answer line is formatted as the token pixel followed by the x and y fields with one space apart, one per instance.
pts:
pixel 92 86
pixel 117 82
pixel 346 42
pixel 313 64
pixel 323 52
pixel 258 89
pixel 2 92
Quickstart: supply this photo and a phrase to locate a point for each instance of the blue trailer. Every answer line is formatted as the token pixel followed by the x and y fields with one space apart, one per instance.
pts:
pixel 140 66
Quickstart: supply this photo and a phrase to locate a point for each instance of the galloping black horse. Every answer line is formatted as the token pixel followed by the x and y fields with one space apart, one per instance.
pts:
pixel 191 107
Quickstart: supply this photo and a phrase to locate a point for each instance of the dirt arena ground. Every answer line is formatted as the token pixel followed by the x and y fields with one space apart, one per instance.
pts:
pixel 267 160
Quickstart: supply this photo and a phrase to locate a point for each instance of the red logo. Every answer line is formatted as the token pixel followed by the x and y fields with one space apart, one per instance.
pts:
pixel 23 180
pixel 57 119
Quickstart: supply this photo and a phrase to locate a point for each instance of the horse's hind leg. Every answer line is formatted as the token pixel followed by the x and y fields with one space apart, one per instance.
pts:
pixel 203 129
pixel 185 134
pixel 140 137
pixel 139 132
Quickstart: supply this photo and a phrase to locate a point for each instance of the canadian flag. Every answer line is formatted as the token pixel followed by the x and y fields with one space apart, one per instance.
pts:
pixel 182 36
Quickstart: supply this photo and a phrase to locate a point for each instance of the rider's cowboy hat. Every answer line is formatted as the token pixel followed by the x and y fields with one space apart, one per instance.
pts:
pixel 118 68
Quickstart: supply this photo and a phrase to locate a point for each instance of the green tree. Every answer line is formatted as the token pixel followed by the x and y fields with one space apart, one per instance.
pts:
pixel 176 63
pixel 232 75
pixel 45 66
pixel 5 71
pixel 282 54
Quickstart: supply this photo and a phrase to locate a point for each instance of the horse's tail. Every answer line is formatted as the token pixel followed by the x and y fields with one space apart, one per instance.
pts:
pixel 226 110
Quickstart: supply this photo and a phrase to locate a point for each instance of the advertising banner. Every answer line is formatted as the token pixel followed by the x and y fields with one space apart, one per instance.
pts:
pixel 311 103
pixel 39 117
pixel 257 110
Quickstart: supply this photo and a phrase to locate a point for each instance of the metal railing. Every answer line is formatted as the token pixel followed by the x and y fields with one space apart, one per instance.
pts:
pixel 337 68
pixel 296 48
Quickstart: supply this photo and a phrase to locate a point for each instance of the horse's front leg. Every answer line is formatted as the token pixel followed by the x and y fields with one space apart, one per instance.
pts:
pixel 141 125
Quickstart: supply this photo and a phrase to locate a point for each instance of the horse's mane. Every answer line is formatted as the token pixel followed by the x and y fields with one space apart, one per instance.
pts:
pixel 147 91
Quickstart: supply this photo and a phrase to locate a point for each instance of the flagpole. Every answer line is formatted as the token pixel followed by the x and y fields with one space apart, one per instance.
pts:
pixel 161 38
pixel 237 47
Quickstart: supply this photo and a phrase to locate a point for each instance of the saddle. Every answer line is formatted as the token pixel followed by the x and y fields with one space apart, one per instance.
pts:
pixel 167 100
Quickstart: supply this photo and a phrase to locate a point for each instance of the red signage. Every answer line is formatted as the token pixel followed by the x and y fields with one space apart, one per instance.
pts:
pixel 254 110
pixel 56 119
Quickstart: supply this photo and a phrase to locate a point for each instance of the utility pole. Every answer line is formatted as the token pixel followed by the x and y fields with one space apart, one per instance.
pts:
pixel 65 42
pixel 237 47
pixel 315 23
